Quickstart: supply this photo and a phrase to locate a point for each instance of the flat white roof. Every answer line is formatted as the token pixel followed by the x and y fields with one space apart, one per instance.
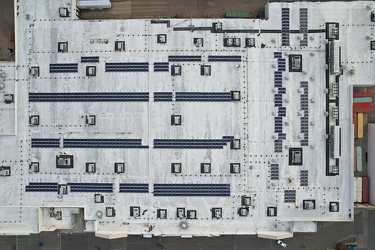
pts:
pixel 281 116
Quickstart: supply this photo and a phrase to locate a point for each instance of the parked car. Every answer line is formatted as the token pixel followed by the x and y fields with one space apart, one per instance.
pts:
pixel 281 243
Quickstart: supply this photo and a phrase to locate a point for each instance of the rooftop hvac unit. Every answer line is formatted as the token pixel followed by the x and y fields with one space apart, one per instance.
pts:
pixel 333 169
pixel 176 168
pixel 332 31
pixel 218 26
pixel 110 212
pixel 243 211
pixel 135 212
pixel 176 70
pixel 235 168
pixel 205 168
pixel 64 161
pixel 34 71
pixel 161 213
pixel 235 96
pixel 271 211
pixel 34 167
pixel 250 42
pixel 217 213
pixel 335 57
pixel 34 120
pixel 90 120
pixel 309 204
pixel 62 189
pixel 58 215
pixel 162 38
pixel 245 201
pixel 4 171
pixel 198 42
pixel 333 206
pixel 93 4
pixel 180 212
pixel 62 47
pixel 64 12
pixel 235 144
pixel 176 120
pixel 119 45
pixel 336 136
pixel 205 70
pixel 99 198
pixel 8 98
pixel 119 168
pixel 90 70
pixel 90 167
pixel 191 214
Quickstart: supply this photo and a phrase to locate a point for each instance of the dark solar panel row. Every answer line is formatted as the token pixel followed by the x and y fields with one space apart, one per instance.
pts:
pixel 45 143
pixel 277 54
pixel 191 143
pixel 203 96
pixel 224 58
pixel 103 143
pixel 304 177
pixel 274 171
pixel 303 24
pixel 63 68
pixel 304 105
pixel 184 58
pixel 163 96
pixel 289 196
pixel 161 67
pixel 89 97
pixel 126 67
pixel 278 146
pixel 281 64
pixel 191 189
pixel 285 27
pixel 41 187
pixel 91 187
pixel 89 59
pixel 278 78
pixel 281 91
pixel 282 136
pixel 133 188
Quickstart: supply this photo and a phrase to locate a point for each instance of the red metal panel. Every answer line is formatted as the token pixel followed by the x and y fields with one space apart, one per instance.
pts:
pixel 355 121
pixel 365 189
pixel 362 105
pixel 362 110
pixel 362 94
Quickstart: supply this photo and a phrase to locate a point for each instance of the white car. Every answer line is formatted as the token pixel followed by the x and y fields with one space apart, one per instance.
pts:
pixel 281 243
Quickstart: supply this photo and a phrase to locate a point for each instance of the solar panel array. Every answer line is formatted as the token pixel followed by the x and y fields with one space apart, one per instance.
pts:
pixel 162 96
pixel 103 143
pixel 45 143
pixel 91 187
pixel 191 189
pixel 303 26
pixel 224 58
pixel 305 118
pixel 133 188
pixel 193 143
pixel 89 59
pixel 289 196
pixel 274 171
pixel 161 67
pixel 281 64
pixel 127 67
pixel 282 112
pixel 203 97
pixel 63 68
pixel 285 36
pixel 90 97
pixel 184 58
pixel 42 187
pixel 278 79
pixel 304 175
pixel 277 54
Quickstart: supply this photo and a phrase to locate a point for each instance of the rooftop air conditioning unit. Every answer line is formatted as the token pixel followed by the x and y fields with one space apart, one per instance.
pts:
pixel 34 71
pixel 64 12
